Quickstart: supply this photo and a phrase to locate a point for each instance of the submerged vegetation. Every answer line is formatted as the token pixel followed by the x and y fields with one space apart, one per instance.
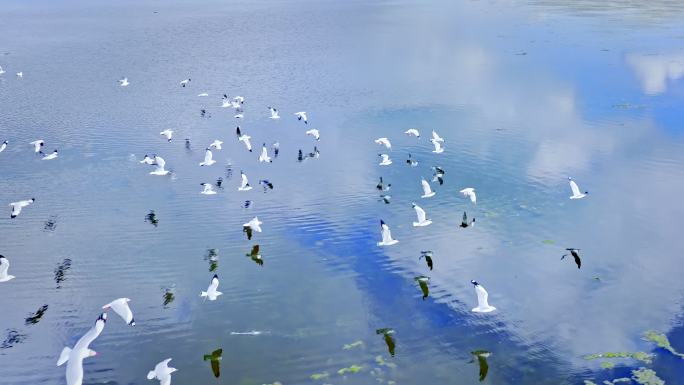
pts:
pixel 640 356
pixel 661 341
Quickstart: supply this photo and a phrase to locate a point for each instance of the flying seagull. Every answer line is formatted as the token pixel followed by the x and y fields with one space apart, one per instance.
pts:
pixel 212 293
pixel 315 133
pixel 263 157
pixel 3 146
pixel 388 336
pixel 20 75
pixel 254 224
pixel 208 158
pixel 120 307
pixel 160 162
pixel 438 146
pixel 302 116
pixel 124 82
pixel 274 113
pixel 428 258
pixel 386 235
pixel 266 184
pixel 185 82
pixel 38 145
pixel 469 192
pixel 438 175
pixel 216 144
pixel 482 295
pixel 168 133
pixel 411 162
pixel 575 255
pixel 245 183
pixel 215 359
pixel 482 361
pixel 208 189
pixel 420 213
pixel 423 283
pixel 412 132
pixel 4 266
pixel 576 194
pixel 162 371
pixel 50 156
pixel 245 139
pixel 17 206
pixel 384 142
pixel 255 256
pixel 427 191
pixel 386 161
pixel 74 357
pixel 464 221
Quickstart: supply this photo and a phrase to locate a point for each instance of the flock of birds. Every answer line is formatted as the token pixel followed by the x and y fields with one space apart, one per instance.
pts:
pixel 73 357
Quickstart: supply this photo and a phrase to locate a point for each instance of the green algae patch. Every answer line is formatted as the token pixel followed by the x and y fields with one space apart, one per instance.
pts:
pixel 639 356
pixel 319 376
pixel 351 369
pixel 661 341
pixel 607 365
pixel 646 377
pixel 549 242
pixel 353 345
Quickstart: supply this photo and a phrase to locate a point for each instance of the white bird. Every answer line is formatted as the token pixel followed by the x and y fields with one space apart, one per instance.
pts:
pixel 254 224
pixel 208 189
pixel 20 75
pixel 436 137
pixel 245 139
pixel 264 154
pixel 212 291
pixel 274 113
pixel 162 372
pixel 302 116
pixel 412 132
pixel 50 156
pixel 147 160
pixel 384 142
pixel 427 190
pixel 576 193
pixel 203 94
pixel 38 145
pixel 314 132
pixel 185 82
pixel 160 162
pixel 124 82
pixel 245 183
pixel 422 219
pixel 386 235
pixel 120 307
pixel 208 161
pixel 216 144
pixel 438 146
pixel 3 146
pixel 4 266
pixel 2 71
pixel 386 161
pixel 81 350
pixel 17 206
pixel 482 295
pixel 469 192
pixel 168 133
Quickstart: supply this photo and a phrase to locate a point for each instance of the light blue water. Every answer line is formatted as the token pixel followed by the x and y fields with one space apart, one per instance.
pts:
pixel 525 94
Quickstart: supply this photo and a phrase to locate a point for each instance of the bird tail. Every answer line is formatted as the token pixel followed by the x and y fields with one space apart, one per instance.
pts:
pixel 64 356
pixel 151 375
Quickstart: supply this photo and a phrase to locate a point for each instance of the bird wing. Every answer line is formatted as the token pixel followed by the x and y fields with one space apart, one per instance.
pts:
pixel 90 336
pixel 255 251
pixel 426 187
pixel 574 187
pixel 420 213
pixel 207 156
pixel 245 182
pixel 482 296
pixel 4 266
pixel 121 308
pixel 484 366
pixel 386 233
pixel 16 208
pixel 214 284
pixel 160 162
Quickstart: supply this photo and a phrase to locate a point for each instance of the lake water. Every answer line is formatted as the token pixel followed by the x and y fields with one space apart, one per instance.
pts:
pixel 525 94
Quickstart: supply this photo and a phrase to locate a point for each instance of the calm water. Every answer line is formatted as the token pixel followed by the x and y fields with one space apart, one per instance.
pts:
pixel 525 95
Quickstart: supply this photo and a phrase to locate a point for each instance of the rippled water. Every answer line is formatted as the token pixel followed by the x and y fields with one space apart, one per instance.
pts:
pixel 525 95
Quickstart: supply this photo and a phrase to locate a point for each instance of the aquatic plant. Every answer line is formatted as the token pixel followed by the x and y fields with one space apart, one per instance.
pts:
pixel 607 365
pixel 319 376
pixel 351 369
pixel 352 345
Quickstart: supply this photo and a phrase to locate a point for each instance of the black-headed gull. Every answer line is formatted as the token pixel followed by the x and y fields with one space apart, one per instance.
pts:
pixel 315 133
pixel 38 145
pixel 576 193
pixel 438 146
pixel 185 82
pixel 216 144
pixel 411 162
pixel 469 192
pixel 81 350
pixel 427 254
pixel 575 255
pixel 4 267
pixel 464 221
pixel 3 146
pixel 162 372
pixel 17 206
pixel 263 157
pixel 412 132
pixel 120 307
pixel 244 186
pixel 255 256
pixel 244 138
pixel 385 160
pixel 168 133
pixel 160 170
pixel 274 113
pixel 482 296
pixel 208 189
pixel 386 235
pixel 208 158
pixel 422 218
pixel 384 142
pixel 427 190
pixel 301 115
pixel 49 156
pixel 123 82
pixel 254 224
pixel 212 291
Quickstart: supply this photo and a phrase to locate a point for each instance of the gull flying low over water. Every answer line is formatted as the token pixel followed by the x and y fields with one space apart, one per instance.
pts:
pixel 382 186
pixel 274 113
pixel 266 184
pixel 162 372
pixel 427 190
pixel 81 350
pixel 185 82
pixel 120 307
pixel 386 235
pixel 255 256
pixel 576 193
pixel 263 157
pixel 438 146
pixel 123 82
pixel 436 137
pixel 254 224
pixel 412 132
pixel 160 170
pixel 411 162
pixel 384 142
pixel 482 303
pixel 469 192
pixel 3 146
pixel 428 258
pixel 216 144
pixel 245 183
pixel 17 206
pixel 465 223
pixel 20 75
pixel 212 291
pixel 422 219
pixel 50 156
pixel 314 132
pixel 4 267
pixel 244 138
pixel 575 255
pixel 208 161
pixel 168 133
pixel 385 161
pixel 38 145
pixel 302 116
pixel 208 189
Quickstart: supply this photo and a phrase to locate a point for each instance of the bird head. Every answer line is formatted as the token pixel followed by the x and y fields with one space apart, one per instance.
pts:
pixel 33 199
pixel 215 276
pixel 474 282
pixel 382 222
